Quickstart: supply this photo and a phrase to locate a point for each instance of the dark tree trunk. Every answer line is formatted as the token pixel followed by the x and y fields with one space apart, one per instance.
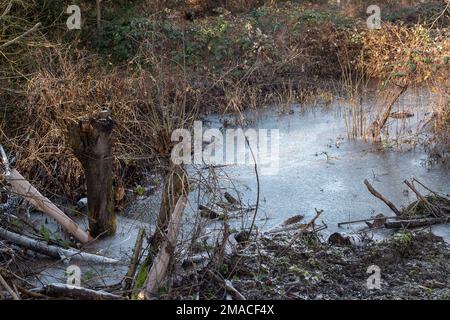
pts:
pixel 91 142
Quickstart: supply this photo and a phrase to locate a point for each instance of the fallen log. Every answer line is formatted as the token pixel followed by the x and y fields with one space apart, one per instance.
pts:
pixel 379 196
pixel 158 270
pixel 374 130
pixel 23 188
pixel 53 251
pixel 61 290
pixel 414 223
pixel 208 213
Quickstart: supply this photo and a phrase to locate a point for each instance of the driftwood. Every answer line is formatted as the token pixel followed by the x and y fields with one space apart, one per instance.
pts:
pixel 90 140
pixel 379 196
pixel 52 251
pixel 22 187
pixel 158 270
pixel 128 280
pixel 61 290
pixel 414 223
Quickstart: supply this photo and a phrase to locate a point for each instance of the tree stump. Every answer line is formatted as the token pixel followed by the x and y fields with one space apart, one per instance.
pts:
pixel 90 140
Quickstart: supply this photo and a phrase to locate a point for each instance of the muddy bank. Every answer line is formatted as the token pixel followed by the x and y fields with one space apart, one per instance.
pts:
pixel 412 266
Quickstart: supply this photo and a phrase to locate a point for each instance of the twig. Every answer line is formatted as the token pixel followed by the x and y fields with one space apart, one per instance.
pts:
pixel 379 196
pixel 425 187
pixel 8 288
pixel 31 294
pixel 364 220
pixel 5 160
pixel 8 8
pixel 257 188
pixel 414 223
pixel 10 42
pixel 99 14
pixel 429 206
pixel 128 280
pixel 377 126
pixel 304 229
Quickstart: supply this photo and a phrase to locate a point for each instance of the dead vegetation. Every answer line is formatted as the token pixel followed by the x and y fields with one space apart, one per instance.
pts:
pixel 161 74
pixel 275 267
pixel 224 62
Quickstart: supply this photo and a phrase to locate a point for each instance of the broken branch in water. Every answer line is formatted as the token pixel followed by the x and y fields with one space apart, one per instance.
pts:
pixel 382 198
pixel 52 251
pixel 128 280
pixel 23 188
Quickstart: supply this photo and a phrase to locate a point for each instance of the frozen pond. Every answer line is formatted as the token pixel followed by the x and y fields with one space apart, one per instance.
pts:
pixel 319 168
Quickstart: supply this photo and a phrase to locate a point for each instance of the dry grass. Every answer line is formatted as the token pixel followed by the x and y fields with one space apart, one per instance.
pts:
pixel 394 56
pixel 155 92
pixel 146 108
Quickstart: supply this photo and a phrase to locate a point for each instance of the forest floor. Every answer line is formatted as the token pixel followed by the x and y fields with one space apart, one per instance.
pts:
pixel 412 266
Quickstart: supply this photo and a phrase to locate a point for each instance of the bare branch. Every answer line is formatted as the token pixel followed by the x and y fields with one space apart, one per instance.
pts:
pixel 10 42
pixel 8 8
